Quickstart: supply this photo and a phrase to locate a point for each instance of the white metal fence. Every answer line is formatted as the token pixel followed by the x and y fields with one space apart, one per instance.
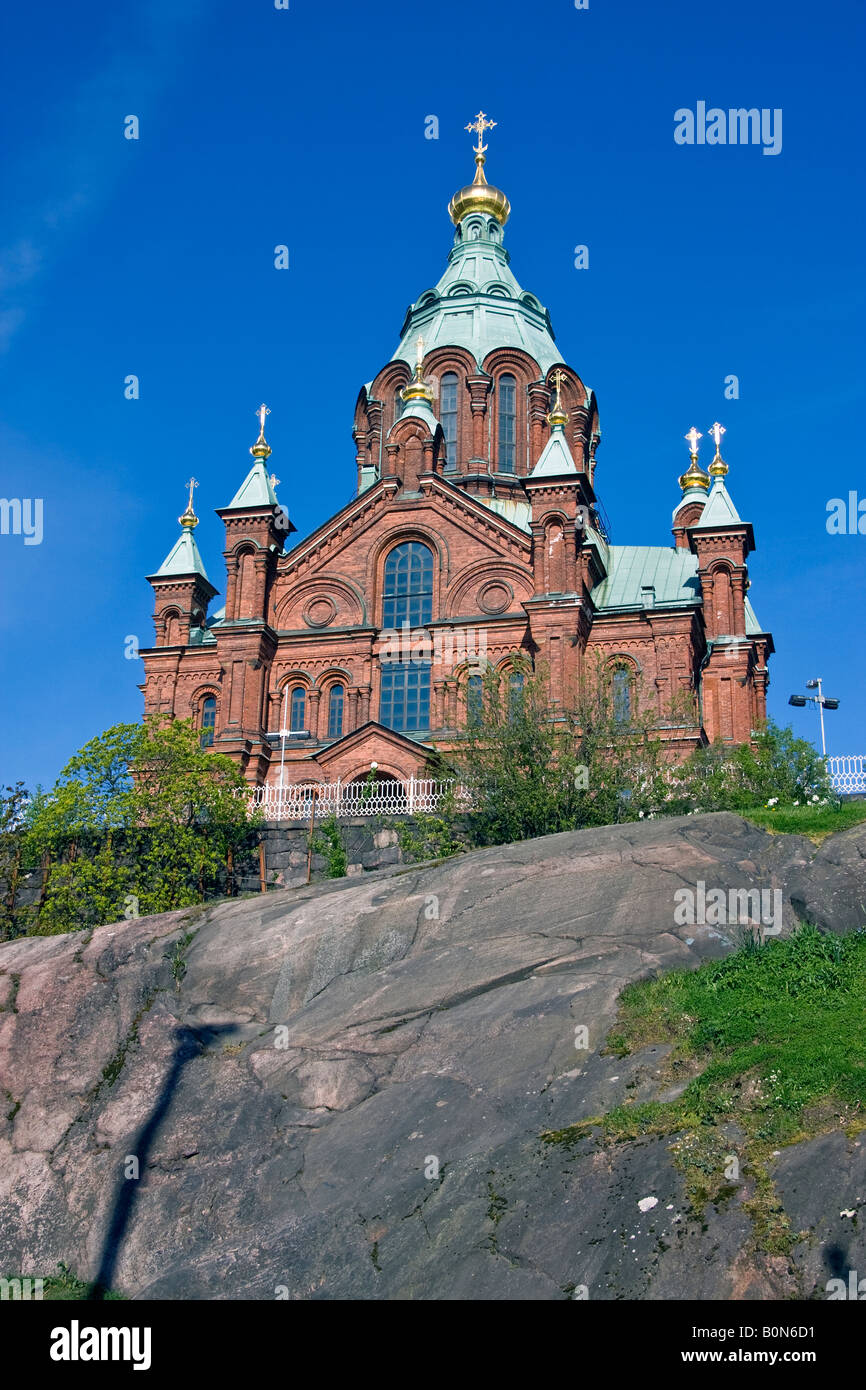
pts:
pixel 346 799
pixel 848 773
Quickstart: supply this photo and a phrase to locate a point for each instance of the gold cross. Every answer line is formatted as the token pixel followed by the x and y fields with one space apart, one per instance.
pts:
pixel 479 125
pixel 193 483
pixel 262 412
pixel 692 438
pixel 419 360
pixel 717 431
pixel 559 378
pixel 274 480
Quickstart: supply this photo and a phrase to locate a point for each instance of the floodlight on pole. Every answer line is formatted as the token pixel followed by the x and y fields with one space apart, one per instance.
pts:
pixel 821 702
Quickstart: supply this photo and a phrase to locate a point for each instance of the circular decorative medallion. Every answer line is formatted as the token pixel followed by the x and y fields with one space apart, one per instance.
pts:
pixel 495 597
pixel 320 611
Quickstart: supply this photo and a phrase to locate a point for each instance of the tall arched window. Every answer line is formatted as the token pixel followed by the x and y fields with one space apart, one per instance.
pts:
pixel 398 405
pixel 335 712
pixel 448 416
pixel 208 721
pixel 507 422
pixel 621 695
pixel 474 701
pixel 408 586
pixel 407 598
pixel 515 694
pixel 298 709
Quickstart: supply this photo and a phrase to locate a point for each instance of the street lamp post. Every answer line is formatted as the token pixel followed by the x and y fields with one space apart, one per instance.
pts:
pixel 821 701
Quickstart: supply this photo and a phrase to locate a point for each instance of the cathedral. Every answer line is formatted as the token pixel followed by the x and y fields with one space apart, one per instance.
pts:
pixel 476 538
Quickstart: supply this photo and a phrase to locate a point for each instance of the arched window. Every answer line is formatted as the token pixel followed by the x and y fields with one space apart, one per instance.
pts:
pixel 474 701
pixel 448 416
pixel 407 598
pixel 408 586
pixel 398 405
pixel 507 422
pixel 298 709
pixel 515 694
pixel 208 721
pixel 335 712
pixel 621 695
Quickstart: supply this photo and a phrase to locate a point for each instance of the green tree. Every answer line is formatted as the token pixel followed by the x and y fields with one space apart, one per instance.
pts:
pixel 141 820
pixel 13 808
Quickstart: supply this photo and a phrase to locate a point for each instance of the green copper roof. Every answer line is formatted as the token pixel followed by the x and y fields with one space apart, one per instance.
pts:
pixel 648 576
pixel 752 624
pixel 255 490
pixel 478 304
pixel 420 410
pixel 555 457
pixel 184 557
pixel 720 510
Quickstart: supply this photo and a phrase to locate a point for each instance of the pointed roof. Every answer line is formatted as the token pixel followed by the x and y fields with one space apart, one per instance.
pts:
pixel 720 510
pixel 555 457
pixel 184 558
pixel 256 490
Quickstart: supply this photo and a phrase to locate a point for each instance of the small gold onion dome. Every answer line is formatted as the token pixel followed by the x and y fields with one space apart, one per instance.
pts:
pixel 558 415
pixel 694 477
pixel 189 520
pixel 718 467
pixel 418 389
pixel 261 449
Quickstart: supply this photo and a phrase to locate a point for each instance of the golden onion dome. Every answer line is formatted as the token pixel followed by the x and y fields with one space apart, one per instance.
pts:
pixel 694 477
pixel 479 196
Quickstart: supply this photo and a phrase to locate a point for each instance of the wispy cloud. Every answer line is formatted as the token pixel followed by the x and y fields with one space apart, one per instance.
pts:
pixel 82 166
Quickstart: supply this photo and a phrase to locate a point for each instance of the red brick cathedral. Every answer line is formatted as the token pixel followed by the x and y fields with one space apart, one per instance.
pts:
pixel 476 537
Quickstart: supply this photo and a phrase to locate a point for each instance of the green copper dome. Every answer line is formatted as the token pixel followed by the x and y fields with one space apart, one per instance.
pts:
pixel 478 304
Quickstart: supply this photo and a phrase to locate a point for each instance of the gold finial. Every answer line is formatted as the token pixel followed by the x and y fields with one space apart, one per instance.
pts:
pixel 718 467
pixel 692 440
pixel 479 125
pixel 480 196
pixel 418 390
pixel 558 416
pixel 274 481
pixel 189 520
pixel 261 449
pixel 694 476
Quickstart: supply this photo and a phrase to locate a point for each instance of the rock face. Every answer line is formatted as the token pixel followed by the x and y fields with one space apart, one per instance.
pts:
pixel 339 1091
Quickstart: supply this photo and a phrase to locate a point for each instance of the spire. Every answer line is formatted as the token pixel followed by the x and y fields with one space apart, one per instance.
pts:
pixel 479 196
pixel 555 458
pixel 184 558
pixel 418 389
pixel 694 479
pixel 257 489
pixel 718 467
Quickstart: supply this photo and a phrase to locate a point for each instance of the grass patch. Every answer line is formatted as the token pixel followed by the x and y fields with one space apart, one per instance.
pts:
pixel 774 1039
pixel 815 822
pixel 66 1287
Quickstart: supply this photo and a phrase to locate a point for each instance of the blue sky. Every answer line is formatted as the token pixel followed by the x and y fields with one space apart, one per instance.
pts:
pixel 305 127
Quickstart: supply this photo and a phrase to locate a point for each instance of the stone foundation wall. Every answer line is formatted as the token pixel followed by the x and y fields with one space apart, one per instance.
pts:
pixel 367 844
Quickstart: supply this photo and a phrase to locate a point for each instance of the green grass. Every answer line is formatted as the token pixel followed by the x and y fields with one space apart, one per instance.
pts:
pixel 773 1039
pixel 816 822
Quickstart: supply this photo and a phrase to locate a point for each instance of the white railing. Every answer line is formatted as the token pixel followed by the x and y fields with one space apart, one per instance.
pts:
pixel 848 773
pixel 347 799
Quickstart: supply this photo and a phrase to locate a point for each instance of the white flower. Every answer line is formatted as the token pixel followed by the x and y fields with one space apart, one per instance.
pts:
pixel 774 801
